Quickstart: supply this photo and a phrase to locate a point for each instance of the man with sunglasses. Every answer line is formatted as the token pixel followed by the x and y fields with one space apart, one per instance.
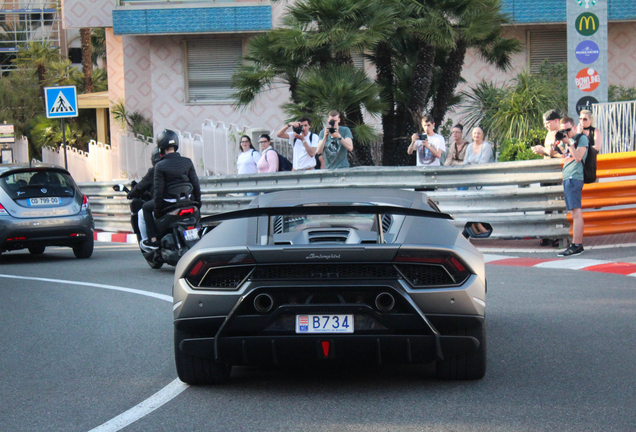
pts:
pixel 574 148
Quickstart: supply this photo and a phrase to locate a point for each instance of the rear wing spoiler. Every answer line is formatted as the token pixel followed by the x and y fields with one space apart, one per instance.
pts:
pixel 322 210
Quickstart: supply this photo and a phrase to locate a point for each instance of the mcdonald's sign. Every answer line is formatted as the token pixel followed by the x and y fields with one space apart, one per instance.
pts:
pixel 587 24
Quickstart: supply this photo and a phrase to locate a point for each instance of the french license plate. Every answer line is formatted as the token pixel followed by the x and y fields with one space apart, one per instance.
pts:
pixel 191 234
pixel 324 323
pixel 44 201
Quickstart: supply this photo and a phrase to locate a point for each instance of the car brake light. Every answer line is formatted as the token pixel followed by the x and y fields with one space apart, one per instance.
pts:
pixel 85 203
pixel 16 238
pixel 231 269
pixel 3 211
pixel 187 211
pixel 453 265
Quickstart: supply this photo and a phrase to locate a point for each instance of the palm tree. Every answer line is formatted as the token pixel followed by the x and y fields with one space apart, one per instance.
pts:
pixel 98 45
pixel 38 55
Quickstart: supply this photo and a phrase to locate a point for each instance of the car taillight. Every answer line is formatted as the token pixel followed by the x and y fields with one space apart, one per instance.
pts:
pixel 3 211
pixel 187 211
pixel 424 268
pixel 85 203
pixel 225 271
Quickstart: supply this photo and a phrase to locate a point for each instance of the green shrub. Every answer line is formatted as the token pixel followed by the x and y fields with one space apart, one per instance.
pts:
pixel 517 149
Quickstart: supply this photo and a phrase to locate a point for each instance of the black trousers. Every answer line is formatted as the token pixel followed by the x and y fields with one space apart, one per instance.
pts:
pixel 151 228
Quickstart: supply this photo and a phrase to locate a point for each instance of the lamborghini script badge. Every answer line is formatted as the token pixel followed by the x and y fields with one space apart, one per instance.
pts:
pixel 325 257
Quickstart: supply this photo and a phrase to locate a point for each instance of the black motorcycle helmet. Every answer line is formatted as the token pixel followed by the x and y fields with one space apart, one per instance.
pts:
pixel 167 138
pixel 155 156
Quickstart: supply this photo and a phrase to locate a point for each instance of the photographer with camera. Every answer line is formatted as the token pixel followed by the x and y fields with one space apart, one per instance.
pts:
pixel 335 143
pixel 429 145
pixel 573 146
pixel 305 143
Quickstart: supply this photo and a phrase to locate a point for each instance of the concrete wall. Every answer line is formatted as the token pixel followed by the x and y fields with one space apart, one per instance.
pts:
pixel 87 13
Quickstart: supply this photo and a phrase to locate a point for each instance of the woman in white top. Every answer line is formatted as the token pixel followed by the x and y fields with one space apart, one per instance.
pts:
pixel 479 151
pixel 248 158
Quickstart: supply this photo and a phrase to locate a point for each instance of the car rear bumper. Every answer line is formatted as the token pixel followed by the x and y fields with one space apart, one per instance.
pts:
pixel 361 349
pixel 58 231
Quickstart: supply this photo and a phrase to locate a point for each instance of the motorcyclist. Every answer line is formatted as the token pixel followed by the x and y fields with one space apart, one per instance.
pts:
pixel 173 169
pixel 142 192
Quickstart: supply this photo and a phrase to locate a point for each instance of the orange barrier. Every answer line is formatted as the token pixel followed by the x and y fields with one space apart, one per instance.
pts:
pixel 608 194
pixel 607 222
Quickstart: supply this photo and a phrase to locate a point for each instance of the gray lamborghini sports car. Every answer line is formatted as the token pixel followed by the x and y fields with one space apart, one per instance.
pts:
pixel 358 275
pixel 41 206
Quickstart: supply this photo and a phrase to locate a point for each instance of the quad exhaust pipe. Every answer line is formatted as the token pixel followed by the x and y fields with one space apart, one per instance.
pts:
pixel 384 302
pixel 263 303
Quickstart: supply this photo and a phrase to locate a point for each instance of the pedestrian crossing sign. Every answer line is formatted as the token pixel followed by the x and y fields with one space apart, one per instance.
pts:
pixel 61 102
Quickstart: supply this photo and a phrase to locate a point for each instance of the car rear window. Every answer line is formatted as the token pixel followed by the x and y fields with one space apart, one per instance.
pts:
pixel 299 223
pixel 38 183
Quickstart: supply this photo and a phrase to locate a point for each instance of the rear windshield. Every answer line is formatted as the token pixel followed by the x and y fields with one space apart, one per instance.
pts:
pixel 284 224
pixel 30 184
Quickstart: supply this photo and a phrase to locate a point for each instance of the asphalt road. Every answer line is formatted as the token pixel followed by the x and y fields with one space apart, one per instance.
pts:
pixel 561 348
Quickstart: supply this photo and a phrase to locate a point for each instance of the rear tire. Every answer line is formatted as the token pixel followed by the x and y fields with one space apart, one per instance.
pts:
pixel 84 249
pixel 154 265
pixel 196 370
pixel 465 366
pixel 37 250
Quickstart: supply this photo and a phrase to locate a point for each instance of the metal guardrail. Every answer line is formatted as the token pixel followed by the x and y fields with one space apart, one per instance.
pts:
pixel 514 210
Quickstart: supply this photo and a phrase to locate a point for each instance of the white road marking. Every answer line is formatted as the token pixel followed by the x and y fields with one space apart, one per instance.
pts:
pixel 571 264
pixel 155 401
pixel 490 258
pixel 94 285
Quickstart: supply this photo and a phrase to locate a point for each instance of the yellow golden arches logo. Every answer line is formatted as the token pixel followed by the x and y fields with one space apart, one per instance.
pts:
pixel 587 24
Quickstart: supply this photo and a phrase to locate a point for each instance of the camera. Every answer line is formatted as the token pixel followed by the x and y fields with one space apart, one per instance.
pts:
pixel 423 137
pixel 332 124
pixel 298 129
pixel 559 135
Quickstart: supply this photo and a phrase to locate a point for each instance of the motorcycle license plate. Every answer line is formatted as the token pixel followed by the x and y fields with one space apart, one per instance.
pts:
pixel 191 234
pixel 326 323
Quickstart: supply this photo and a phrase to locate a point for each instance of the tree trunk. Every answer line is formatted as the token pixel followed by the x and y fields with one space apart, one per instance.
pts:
pixel 384 70
pixel 87 62
pixel 361 155
pixel 450 79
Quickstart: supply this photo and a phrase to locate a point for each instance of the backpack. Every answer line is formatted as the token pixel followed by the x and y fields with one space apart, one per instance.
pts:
pixel 283 163
pixel 589 167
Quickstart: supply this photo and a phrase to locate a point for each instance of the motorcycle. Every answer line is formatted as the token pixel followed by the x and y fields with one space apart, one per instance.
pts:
pixel 178 229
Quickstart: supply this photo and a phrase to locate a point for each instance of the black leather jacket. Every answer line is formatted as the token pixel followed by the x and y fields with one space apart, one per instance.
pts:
pixel 144 189
pixel 171 170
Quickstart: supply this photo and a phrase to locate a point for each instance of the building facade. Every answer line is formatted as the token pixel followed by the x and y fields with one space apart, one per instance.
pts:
pixel 172 62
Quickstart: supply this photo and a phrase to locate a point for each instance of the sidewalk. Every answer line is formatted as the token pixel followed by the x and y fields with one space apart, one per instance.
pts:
pixel 532 245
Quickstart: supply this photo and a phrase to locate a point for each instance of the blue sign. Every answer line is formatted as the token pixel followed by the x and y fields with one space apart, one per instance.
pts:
pixel 587 52
pixel 61 102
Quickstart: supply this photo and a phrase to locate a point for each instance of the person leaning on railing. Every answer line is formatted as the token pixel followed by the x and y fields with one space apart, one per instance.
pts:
pixel 457 150
pixel 586 127
pixel 479 151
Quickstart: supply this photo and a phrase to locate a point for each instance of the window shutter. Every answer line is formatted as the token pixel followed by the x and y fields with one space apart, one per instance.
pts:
pixel 211 64
pixel 551 45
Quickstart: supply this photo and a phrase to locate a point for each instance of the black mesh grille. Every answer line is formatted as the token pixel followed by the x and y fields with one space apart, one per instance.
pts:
pixel 325 271
pixel 424 275
pixel 225 277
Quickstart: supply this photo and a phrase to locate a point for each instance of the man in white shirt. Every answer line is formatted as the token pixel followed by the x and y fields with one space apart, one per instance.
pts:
pixel 305 143
pixel 429 151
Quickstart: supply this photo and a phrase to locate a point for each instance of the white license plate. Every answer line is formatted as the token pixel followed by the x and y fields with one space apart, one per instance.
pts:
pixel 325 323
pixel 191 234
pixel 44 201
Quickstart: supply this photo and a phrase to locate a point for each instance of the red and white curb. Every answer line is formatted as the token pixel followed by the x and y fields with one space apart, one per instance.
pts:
pixel 599 266
pixel 115 237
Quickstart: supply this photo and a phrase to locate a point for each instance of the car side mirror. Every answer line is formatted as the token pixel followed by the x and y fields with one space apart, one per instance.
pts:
pixel 118 187
pixel 477 230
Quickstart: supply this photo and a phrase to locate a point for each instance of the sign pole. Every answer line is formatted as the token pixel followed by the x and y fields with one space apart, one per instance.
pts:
pixel 64 144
